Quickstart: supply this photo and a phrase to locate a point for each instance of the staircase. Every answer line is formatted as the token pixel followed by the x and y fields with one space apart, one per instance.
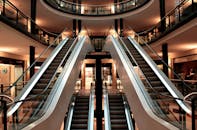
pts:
pixel 117 113
pixel 30 108
pixel 80 114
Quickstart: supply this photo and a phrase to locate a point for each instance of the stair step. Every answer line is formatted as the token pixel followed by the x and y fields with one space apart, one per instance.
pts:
pixel 79 126
pixel 41 85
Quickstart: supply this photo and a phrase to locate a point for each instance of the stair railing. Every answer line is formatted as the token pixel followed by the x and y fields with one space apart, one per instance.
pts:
pixel 22 22
pixel 106 110
pixel 96 10
pixel 180 15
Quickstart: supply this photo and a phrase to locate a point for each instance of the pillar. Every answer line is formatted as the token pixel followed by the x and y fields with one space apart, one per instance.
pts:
pixel 32 59
pixel 33 15
pixel 98 93
pixel 74 28
pixel 165 57
pixel 79 26
pixel 83 76
pixel 114 79
pixel 121 27
pixel 162 15
pixel 116 25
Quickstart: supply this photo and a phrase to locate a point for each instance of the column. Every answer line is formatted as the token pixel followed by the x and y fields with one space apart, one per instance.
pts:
pixel 32 59
pixel 114 79
pixel 74 28
pixel 116 25
pixel 165 58
pixel 83 76
pixel 33 15
pixel 121 27
pixel 79 26
pixel 98 92
pixel 79 21
pixel 162 15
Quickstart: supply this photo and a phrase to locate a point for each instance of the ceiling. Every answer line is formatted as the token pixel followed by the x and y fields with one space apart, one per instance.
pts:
pixel 140 19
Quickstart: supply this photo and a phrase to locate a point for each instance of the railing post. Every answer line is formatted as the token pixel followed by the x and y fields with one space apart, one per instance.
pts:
pixel 4 104
pixel 194 99
pixel 3 7
pixel 1 88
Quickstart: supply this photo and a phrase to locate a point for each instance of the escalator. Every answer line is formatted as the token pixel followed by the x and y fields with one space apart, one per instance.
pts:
pixel 159 93
pixel 117 112
pixel 155 82
pixel 147 87
pixel 80 113
pixel 35 100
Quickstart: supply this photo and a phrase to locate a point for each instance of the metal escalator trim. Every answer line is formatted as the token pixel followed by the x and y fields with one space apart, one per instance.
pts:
pixel 106 110
pixel 127 113
pixel 167 83
pixel 60 83
pixel 28 87
pixel 91 110
pixel 140 91
pixel 70 114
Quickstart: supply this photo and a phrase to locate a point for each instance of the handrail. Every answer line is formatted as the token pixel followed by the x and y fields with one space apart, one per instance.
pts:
pixel 70 113
pixel 106 110
pixel 96 10
pixel 91 109
pixel 127 113
pixel 170 20
pixel 6 96
pixel 23 20
pixel 189 95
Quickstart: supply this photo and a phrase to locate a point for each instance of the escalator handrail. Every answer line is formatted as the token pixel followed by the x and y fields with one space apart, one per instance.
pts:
pixel 127 113
pixel 28 87
pixel 91 110
pixel 166 82
pixel 70 113
pixel 106 110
